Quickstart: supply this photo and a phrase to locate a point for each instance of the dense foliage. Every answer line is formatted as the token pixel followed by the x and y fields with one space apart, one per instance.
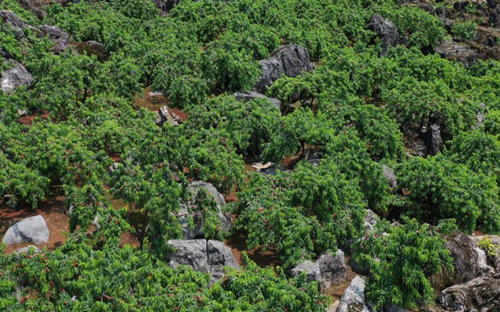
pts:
pixel 339 128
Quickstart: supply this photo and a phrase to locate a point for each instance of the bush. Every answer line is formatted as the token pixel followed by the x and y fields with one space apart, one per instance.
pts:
pixel 401 259
pixel 465 30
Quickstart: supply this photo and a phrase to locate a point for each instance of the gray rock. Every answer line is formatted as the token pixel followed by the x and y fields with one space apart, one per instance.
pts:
pixel 392 308
pixel 198 219
pixel 204 256
pixel 189 252
pixel 310 268
pixel 33 6
pixel 493 258
pixel 385 30
pixel 328 270
pixel 17 75
pixel 27 249
pixel 32 229
pixel 91 47
pixel 465 261
pixel 353 299
pixel 370 219
pixel 332 268
pixel 478 295
pixel 15 22
pixel 390 176
pixel 482 263
pixel 314 158
pixel 11 201
pixel 290 60
pixel 480 117
pixel 164 115
pixel 460 52
pixel 434 141
pixel 252 95
pixel 57 35
pixel 219 256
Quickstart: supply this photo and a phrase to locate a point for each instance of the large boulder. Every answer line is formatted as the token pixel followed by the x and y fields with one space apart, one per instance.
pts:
pixel 290 60
pixel 465 260
pixel 32 229
pixel 219 256
pixel 199 221
pixel 480 294
pixel 207 256
pixel 17 75
pixel 328 270
pixel 353 299
pixel 189 252
pixel 385 30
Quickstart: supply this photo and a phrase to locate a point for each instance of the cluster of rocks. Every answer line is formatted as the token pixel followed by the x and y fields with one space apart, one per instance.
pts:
pixel 16 74
pixel 165 116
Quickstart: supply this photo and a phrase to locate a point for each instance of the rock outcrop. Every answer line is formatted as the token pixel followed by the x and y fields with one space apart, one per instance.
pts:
pixel 465 260
pixel 353 298
pixel 385 30
pixel 481 294
pixel 328 270
pixel 199 221
pixel 207 256
pixel 252 95
pixel 164 115
pixel 32 229
pixel 290 60
pixel 14 77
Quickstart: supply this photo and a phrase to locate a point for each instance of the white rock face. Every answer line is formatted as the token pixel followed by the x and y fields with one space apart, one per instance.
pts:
pixel 33 229
pixel 15 76
pixel 354 297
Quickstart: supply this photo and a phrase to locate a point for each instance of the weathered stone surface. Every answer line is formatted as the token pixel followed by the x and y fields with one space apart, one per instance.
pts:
pixel 328 270
pixel 290 60
pixel 465 261
pixel 252 95
pixel 385 30
pixel 189 252
pixel 390 176
pixel 434 141
pixel 478 295
pixel 199 221
pixel 219 256
pixel 310 268
pixel 205 256
pixel 32 229
pixel 27 248
pixel 332 268
pixel 371 219
pixel 17 75
pixel 164 115
pixel 461 52
pixel 353 299
pixel 57 35
pixel 10 18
